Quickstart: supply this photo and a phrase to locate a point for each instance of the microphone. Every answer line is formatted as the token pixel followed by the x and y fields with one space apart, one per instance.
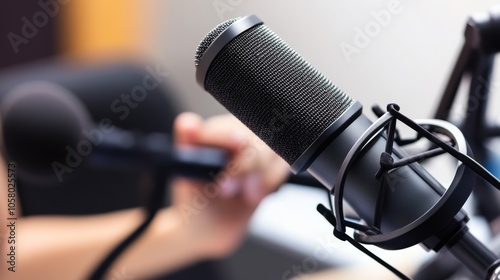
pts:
pixel 313 125
pixel 49 132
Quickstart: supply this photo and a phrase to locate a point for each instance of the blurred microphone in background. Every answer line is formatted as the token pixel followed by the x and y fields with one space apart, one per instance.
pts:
pixel 65 228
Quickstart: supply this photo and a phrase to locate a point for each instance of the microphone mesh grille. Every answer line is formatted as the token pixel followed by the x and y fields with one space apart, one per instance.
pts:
pixel 274 91
pixel 211 36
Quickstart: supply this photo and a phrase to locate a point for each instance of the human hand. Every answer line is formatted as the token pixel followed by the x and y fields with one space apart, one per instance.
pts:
pixel 216 213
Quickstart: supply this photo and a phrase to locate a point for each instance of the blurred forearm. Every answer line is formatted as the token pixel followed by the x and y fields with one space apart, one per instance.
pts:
pixel 71 247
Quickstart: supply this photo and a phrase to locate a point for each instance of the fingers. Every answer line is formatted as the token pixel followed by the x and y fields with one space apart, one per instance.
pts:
pixel 187 127
pixel 221 131
pixel 264 177
pixel 253 171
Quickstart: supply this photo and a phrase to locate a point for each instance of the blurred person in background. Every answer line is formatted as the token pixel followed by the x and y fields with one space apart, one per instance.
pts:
pixel 69 247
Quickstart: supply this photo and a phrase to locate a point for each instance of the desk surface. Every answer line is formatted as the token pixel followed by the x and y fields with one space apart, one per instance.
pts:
pixel 288 218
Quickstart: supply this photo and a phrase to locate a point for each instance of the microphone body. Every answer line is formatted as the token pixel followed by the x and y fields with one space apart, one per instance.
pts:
pixel 408 189
pixel 263 82
pixel 257 77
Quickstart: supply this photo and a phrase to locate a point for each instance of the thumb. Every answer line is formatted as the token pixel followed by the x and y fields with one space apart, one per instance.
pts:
pixel 187 127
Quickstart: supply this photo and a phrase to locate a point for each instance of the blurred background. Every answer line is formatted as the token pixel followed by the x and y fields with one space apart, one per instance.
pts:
pixel 406 60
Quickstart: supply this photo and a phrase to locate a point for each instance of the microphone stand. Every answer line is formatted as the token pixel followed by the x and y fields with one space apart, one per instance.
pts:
pixel 476 57
pixel 476 60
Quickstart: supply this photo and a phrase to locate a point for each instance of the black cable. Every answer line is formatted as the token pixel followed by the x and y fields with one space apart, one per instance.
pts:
pixel 375 257
pixel 357 226
pixel 155 203
pixel 327 213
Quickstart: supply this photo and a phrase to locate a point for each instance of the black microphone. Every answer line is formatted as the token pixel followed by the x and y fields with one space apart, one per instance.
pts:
pixel 312 124
pixel 48 132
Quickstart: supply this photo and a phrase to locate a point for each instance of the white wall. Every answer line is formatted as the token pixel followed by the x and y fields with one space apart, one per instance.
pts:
pixel 407 62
